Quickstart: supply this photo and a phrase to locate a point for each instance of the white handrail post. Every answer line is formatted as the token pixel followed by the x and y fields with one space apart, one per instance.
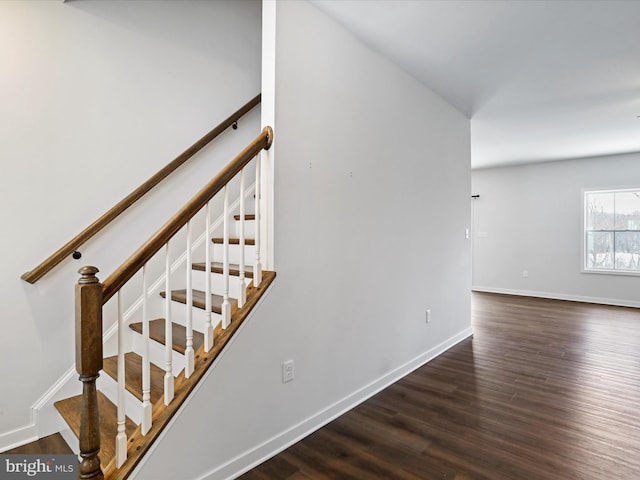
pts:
pixel 226 305
pixel 189 353
pixel 121 437
pixel 168 334
pixel 242 288
pixel 146 362
pixel 208 333
pixel 257 268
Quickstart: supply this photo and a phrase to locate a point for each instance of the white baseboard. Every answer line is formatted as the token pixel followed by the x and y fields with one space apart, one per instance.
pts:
pixel 253 457
pixel 559 296
pixel 18 437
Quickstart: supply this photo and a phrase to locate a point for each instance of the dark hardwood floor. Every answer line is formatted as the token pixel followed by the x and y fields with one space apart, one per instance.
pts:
pixel 54 444
pixel 544 390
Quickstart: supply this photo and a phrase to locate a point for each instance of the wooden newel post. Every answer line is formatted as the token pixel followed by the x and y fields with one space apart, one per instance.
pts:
pixel 88 365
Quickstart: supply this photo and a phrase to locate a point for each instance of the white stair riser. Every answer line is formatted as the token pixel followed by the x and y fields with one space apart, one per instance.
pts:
pixel 217 283
pixel 199 316
pixel 157 353
pixel 110 346
pixel 133 406
pixel 234 254
pixel 249 229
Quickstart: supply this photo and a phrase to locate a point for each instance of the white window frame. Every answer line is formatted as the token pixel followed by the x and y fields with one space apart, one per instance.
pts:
pixel 605 271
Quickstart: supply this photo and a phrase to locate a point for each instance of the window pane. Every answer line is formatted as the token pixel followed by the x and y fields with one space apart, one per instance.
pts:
pixel 599 250
pixel 627 251
pixel 627 210
pixel 600 212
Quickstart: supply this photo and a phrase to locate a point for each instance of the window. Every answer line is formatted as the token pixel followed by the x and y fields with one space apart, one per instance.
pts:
pixel 612 231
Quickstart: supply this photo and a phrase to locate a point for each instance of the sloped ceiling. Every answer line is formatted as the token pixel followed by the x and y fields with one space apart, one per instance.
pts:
pixel 540 80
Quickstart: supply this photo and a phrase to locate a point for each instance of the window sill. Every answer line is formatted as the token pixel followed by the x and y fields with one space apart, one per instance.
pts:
pixel 626 273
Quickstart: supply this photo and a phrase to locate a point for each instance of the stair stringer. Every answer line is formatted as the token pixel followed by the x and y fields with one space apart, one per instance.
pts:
pixel 45 417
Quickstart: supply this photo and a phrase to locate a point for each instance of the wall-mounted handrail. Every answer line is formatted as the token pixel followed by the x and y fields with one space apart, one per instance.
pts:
pixel 70 247
pixel 135 262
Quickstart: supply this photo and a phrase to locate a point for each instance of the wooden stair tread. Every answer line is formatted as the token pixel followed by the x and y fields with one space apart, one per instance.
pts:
pixel 133 375
pixel 199 300
pixel 70 409
pixel 216 267
pixel 247 216
pixel 179 333
pixel 234 241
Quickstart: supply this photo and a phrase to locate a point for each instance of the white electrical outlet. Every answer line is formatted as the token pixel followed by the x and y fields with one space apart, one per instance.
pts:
pixel 428 315
pixel 287 371
pixel 525 273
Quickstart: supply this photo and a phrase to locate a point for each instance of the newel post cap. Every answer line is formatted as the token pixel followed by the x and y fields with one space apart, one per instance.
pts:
pixel 88 274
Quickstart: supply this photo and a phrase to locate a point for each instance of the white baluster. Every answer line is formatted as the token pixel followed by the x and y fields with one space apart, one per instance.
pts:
pixel 242 290
pixel 146 366
pixel 168 334
pixel 189 353
pixel 226 305
pixel 257 268
pixel 208 334
pixel 121 438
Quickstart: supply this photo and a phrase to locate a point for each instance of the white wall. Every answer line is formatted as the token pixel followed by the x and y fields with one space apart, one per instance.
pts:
pixel 95 97
pixel 530 218
pixel 372 185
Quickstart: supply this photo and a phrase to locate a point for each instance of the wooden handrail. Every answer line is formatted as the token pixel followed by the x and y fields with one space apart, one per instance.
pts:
pixel 47 265
pixel 135 262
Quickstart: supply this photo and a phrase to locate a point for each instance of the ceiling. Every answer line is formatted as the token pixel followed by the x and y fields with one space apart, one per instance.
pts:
pixel 540 80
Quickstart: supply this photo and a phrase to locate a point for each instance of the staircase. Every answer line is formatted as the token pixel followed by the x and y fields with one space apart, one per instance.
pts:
pixel 160 359
pixel 70 408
